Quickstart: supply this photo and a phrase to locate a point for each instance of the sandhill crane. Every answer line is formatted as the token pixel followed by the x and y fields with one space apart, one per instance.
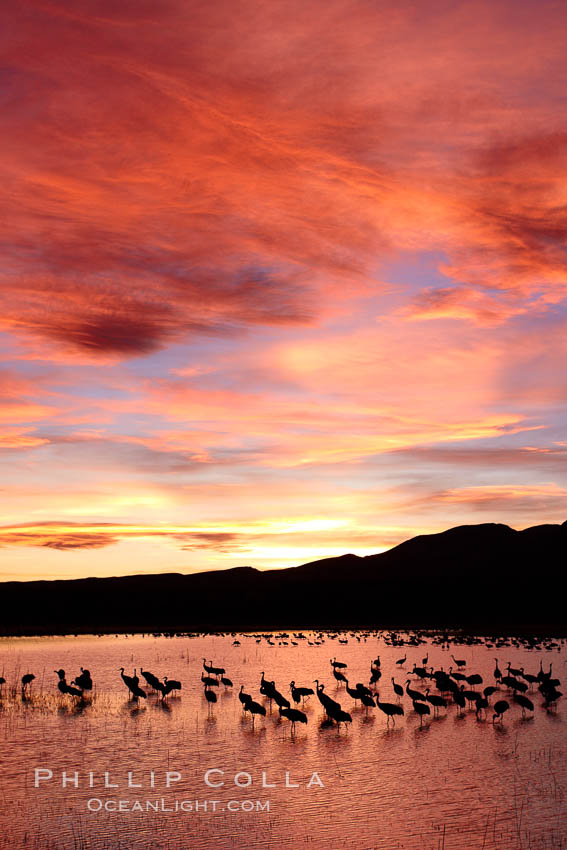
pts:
pixel 367 701
pixel 470 696
pixel 244 698
pixel 499 708
pixel 514 684
pixel 529 678
pixel 436 701
pixel 298 694
pixel 62 683
pixel 474 679
pixel 338 715
pixel 266 687
pixel 401 661
pixel 460 662
pixel 398 690
pixel 254 708
pixel 421 708
pixel 338 665
pixel 131 683
pixel 294 715
pixel 171 685
pixel 352 692
pixel 326 701
pixel 420 671
pixel 209 681
pixel 390 709
pixel 210 696
pixel 458 677
pixel 340 677
pixel 281 701
pixel 226 682
pixel 414 695
pixel 74 692
pixel 151 680
pixel 84 681
pixel 27 680
pixel 459 700
pixel 525 702
pixel 375 675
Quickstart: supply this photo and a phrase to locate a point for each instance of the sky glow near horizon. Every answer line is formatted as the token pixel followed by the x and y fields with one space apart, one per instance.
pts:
pixel 280 280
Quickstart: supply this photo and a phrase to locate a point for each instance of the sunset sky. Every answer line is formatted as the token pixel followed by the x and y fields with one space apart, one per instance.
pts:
pixel 280 279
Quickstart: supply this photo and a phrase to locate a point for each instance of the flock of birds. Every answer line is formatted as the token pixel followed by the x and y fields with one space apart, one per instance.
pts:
pixel 454 686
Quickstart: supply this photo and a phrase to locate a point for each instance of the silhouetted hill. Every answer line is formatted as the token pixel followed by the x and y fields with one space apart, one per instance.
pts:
pixel 474 576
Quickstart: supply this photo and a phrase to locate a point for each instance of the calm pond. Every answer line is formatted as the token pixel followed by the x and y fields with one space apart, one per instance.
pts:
pixel 447 781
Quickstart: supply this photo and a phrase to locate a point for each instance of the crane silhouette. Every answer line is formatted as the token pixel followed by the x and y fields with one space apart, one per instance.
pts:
pixel 436 701
pixel 27 680
pixel 422 709
pixel 294 716
pixel 500 708
pixel 254 708
pixel 459 700
pixel 398 690
pixel 412 694
pixel 64 688
pixel 367 701
pixel 525 702
pixel 390 709
pixel 84 681
pixel 151 680
pixel 298 694
pixel 210 696
pixel 244 698
pixel 326 701
pixel 131 683
pixel 171 685
pixel 340 677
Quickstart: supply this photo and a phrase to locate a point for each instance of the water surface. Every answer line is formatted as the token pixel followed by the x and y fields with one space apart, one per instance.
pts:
pixel 457 783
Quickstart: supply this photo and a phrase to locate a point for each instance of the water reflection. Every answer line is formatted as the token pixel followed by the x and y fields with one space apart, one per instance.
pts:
pixel 472 774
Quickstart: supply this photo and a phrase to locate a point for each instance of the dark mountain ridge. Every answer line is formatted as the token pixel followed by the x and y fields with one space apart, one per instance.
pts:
pixel 486 576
